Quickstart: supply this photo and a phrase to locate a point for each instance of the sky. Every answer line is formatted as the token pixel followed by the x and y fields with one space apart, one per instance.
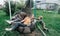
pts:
pixel 1 2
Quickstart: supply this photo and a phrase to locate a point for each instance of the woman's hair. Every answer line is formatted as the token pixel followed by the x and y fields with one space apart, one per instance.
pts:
pixel 23 14
pixel 29 3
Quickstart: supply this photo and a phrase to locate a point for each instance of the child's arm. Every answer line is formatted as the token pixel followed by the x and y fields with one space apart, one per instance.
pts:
pixel 24 20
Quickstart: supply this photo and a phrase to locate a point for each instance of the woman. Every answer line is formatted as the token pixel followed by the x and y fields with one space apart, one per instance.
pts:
pixel 25 22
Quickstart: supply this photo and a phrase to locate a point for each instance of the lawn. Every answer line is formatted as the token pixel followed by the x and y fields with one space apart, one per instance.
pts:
pixel 52 20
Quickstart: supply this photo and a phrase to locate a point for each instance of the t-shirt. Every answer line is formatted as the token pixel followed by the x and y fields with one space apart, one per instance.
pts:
pixel 27 21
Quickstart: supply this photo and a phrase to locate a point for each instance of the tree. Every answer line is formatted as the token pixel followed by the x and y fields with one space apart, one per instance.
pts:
pixel 6 8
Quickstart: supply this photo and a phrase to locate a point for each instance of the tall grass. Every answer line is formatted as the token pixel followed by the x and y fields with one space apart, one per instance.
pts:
pixel 51 19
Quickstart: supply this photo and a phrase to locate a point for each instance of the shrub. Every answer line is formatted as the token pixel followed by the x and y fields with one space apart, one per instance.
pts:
pixel 6 8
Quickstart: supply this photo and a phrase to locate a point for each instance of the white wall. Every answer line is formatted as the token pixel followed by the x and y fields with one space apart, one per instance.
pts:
pixel 53 1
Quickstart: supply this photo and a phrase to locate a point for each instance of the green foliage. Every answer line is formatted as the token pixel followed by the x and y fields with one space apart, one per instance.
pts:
pixel 6 8
pixel 15 6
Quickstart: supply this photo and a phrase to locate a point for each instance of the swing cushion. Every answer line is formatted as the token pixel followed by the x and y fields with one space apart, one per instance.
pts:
pixel 27 29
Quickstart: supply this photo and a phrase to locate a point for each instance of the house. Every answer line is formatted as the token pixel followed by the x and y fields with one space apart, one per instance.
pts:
pixel 46 4
pixel 52 5
pixel 37 3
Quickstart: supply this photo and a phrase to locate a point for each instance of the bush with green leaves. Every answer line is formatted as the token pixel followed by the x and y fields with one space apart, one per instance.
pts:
pixel 6 8
pixel 15 6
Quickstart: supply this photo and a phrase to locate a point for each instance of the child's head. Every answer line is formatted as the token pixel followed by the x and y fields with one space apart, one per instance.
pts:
pixel 40 17
pixel 22 15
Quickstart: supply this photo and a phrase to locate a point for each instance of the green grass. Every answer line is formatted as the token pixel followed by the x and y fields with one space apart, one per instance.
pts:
pixel 51 19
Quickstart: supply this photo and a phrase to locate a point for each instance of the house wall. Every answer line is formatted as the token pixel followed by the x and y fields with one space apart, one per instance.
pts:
pixel 45 4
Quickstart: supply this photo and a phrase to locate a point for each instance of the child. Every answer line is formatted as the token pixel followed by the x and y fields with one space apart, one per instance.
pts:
pixel 42 22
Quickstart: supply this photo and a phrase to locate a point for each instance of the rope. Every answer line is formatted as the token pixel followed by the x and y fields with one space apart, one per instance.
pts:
pixel 35 16
pixel 34 8
pixel 39 28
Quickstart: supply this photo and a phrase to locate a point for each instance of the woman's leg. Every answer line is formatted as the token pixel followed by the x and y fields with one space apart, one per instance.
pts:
pixel 14 26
